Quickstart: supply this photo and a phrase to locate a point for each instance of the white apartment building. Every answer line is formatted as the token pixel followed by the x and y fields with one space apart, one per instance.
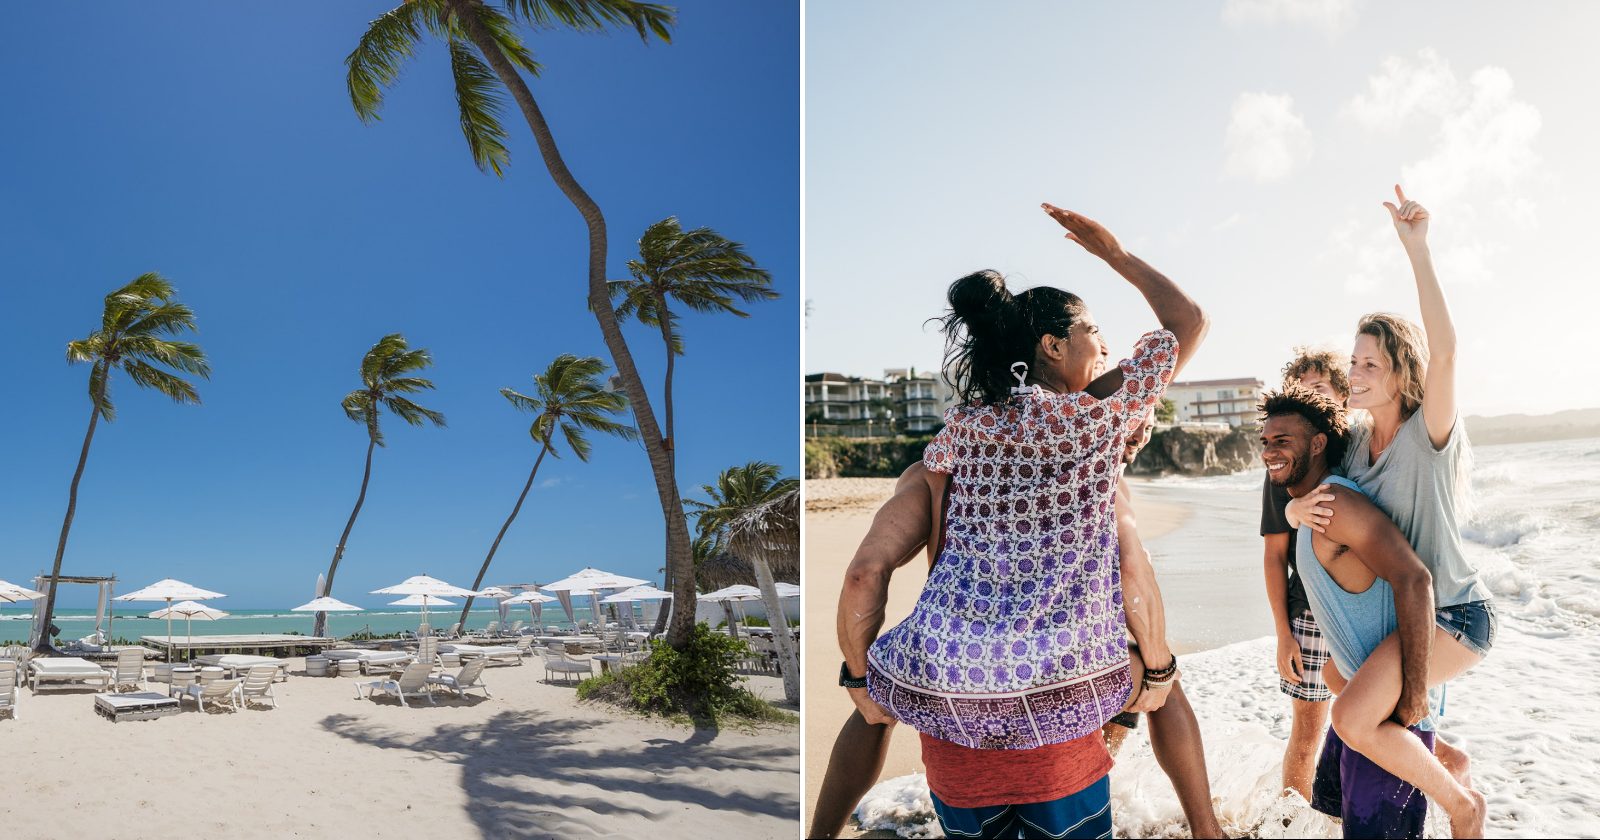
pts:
pixel 1231 401
pixel 903 399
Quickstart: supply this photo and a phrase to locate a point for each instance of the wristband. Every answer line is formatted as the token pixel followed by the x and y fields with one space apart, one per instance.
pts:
pixel 848 681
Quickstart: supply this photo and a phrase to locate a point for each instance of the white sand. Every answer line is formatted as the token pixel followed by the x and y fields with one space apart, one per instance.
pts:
pixel 530 762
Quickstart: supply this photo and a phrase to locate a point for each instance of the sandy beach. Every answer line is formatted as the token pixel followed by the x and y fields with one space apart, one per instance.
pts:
pixel 530 762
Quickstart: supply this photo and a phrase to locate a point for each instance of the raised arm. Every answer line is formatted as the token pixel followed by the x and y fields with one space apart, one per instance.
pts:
pixel 1439 385
pixel 1174 309
pixel 900 528
pixel 1375 539
pixel 1141 600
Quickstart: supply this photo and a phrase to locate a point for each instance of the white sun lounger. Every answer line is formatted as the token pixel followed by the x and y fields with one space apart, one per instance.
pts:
pixel 233 663
pixel 369 659
pixel 493 653
pixel 413 682
pixel 8 687
pixel 66 672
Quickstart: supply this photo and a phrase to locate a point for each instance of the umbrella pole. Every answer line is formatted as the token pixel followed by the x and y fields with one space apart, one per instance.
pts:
pixel 170 645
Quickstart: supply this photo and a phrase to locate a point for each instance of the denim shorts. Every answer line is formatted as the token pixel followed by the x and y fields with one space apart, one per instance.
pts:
pixel 1473 624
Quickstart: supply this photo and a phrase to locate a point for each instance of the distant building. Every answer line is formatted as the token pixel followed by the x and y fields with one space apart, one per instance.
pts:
pixel 1231 401
pixel 903 399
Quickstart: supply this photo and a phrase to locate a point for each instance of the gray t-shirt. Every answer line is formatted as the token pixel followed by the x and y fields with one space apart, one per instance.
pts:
pixel 1416 485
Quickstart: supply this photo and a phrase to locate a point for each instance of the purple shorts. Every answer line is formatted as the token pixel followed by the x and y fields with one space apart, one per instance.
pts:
pixel 1372 801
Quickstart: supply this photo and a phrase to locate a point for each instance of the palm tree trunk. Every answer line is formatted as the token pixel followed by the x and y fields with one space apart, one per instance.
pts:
pixel 42 645
pixel 477 582
pixel 321 624
pixel 679 559
pixel 788 658
pixel 672 450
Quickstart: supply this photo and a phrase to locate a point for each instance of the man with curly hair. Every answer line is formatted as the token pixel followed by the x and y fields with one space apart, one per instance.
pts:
pixel 1364 583
pixel 1301 648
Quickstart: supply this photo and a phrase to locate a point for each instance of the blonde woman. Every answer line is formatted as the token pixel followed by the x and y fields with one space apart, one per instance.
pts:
pixel 1412 459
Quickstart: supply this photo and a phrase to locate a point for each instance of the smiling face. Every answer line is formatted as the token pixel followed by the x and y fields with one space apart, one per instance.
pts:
pixel 1079 358
pixel 1372 383
pixel 1290 447
pixel 1315 381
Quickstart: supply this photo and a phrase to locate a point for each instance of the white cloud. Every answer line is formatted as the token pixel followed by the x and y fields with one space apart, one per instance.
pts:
pixel 1266 139
pixel 550 482
pixel 1479 158
pixel 1328 15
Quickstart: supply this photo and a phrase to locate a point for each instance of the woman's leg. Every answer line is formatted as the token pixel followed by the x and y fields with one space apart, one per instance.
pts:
pixel 1175 739
pixel 853 768
pixel 1361 717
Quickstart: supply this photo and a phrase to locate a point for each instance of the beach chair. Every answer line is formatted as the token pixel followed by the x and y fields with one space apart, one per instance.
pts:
pixel 258 684
pixel 490 631
pixel 217 691
pixel 412 682
pixel 18 655
pixel 557 661
pixel 453 633
pixel 129 670
pixel 525 645
pixel 8 687
pixel 469 677
pixel 516 628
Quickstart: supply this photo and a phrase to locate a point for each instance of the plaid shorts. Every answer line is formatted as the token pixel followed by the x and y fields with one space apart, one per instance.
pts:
pixel 1313 655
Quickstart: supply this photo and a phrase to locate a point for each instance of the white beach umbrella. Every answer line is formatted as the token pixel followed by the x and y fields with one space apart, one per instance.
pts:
pixel 423 601
pixel 535 601
pixel 788 590
pixel 592 578
pixel 637 593
pixel 12 593
pixel 170 590
pixel 325 604
pixel 736 592
pixel 500 595
pixel 190 611
pixel 424 585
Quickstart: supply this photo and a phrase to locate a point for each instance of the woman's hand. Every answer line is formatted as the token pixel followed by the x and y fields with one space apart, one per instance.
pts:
pixel 1410 219
pixel 1087 232
pixel 1307 510
pixel 869 708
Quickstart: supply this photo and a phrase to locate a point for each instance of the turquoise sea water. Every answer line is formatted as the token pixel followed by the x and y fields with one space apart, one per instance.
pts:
pixel 16 623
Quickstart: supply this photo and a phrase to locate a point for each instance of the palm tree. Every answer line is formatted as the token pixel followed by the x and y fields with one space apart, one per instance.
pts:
pixel 702 271
pixel 384 379
pixel 755 514
pixel 471 24
pixel 571 399
pixel 132 337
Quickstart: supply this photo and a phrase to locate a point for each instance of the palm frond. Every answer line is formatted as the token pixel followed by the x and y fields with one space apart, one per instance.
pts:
pixel 357 405
pixel 576 441
pixel 100 391
pixel 85 349
pixel 383 49
pixel 374 363
pixel 522 402
pixel 478 98
pixel 181 355
pixel 412 413
pixel 504 32
pixel 169 318
pixel 407 385
pixel 597 15
pixel 148 376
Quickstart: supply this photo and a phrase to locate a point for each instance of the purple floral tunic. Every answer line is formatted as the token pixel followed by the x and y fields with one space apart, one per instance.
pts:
pixel 1017 640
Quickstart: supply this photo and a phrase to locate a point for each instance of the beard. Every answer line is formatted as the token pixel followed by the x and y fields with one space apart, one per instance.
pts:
pixel 1295 472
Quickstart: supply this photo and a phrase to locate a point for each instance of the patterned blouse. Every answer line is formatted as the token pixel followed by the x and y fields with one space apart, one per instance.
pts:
pixel 1017 640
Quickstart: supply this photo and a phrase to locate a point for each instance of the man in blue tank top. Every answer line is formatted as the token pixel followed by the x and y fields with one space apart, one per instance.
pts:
pixel 1364 582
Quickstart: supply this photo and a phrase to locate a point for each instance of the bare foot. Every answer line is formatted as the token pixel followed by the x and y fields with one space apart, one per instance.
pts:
pixel 1455 762
pixel 1469 823
pixel 1214 830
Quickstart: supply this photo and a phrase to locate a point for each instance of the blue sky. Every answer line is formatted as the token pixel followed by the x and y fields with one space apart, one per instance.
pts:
pixel 216 144
pixel 1243 147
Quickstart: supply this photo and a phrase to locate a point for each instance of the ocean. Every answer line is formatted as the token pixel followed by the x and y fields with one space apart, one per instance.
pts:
pixel 1525 714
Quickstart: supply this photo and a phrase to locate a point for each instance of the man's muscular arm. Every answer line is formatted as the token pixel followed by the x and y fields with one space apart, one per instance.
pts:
pixel 1377 541
pixel 900 528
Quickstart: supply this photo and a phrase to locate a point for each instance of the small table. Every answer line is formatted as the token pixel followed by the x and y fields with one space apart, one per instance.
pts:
pixel 143 705
pixel 606 659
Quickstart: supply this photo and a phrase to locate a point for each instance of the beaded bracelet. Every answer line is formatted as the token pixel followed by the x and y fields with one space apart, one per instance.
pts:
pixel 1160 673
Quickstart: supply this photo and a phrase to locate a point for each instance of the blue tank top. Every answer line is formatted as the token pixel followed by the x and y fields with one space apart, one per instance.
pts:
pixel 1354 623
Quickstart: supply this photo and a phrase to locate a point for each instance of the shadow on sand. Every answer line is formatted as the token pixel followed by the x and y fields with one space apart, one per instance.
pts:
pixel 535 774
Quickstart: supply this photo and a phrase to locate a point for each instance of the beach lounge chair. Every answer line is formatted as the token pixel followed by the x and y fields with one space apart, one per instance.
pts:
pixel 258 684
pixel 234 663
pixel 129 670
pixel 65 672
pixel 453 633
pixel 524 646
pixel 516 628
pixel 490 631
pixel 412 682
pixel 217 691
pixel 469 677
pixel 494 653
pixel 8 687
pixel 557 661
pixel 18 655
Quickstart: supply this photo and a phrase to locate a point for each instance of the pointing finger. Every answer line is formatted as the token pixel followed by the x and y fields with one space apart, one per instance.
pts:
pixel 1399 192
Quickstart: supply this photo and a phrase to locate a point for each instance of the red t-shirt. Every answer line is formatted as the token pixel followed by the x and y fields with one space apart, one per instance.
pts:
pixel 963 777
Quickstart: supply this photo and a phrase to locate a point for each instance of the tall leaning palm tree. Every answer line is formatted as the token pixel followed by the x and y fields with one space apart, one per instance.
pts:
pixel 135 332
pixel 484 48
pixel 755 514
pixel 571 398
pixel 700 270
pixel 386 376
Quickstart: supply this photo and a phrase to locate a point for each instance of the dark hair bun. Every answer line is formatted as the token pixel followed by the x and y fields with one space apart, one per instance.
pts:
pixel 983 304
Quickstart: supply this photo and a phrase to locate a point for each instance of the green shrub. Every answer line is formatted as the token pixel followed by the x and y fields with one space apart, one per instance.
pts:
pixel 698 681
